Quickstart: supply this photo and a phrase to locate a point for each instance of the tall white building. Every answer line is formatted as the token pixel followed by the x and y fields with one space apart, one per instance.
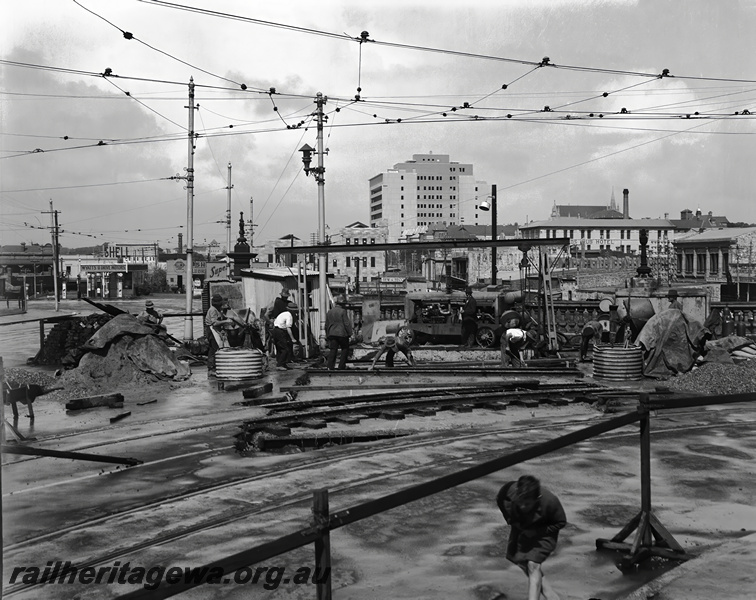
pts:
pixel 425 190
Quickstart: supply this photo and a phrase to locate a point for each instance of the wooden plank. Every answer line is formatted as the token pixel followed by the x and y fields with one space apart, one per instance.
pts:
pixel 313 424
pixel 278 430
pixel 423 411
pixel 109 400
pixel 463 408
pixel 119 417
pixel 257 391
pixel 349 419
pixel 392 415
pixel 29 451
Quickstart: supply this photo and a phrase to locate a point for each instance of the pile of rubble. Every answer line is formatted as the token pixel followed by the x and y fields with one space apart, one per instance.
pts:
pixel 62 344
pixel 713 378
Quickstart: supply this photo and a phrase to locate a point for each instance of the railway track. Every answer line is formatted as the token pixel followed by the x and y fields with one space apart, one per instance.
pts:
pixel 301 500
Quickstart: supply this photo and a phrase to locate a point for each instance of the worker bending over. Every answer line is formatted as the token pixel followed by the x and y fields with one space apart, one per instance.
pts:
pixel 390 347
pixel 590 330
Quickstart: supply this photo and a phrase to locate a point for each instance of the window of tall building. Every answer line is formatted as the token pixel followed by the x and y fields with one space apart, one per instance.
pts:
pixel 364 261
pixel 364 241
pixel 348 241
pixel 372 240
pixel 589 234
pixel 335 263
pixel 622 234
pixel 372 261
pixel 348 262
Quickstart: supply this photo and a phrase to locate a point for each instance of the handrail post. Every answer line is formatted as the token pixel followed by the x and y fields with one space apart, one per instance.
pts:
pixel 645 464
pixel 321 516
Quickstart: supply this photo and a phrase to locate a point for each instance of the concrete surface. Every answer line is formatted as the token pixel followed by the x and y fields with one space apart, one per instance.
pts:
pixel 446 546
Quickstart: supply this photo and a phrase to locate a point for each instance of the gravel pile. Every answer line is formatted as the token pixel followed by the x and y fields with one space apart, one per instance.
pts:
pixel 24 377
pixel 717 379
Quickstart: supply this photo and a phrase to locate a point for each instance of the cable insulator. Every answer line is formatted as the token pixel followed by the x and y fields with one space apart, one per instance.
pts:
pixel 357 97
pixel 108 71
pixel 364 36
pixel 509 116
pixel 544 61
pixel 665 73
pixel 546 109
pixel 466 105
pixel 272 90
pixel 243 86
pixel 359 89
pixel 338 109
pixel 503 86
pixel 590 115
pixel 624 111
pixel 443 114
pixel 605 94
pixel 128 35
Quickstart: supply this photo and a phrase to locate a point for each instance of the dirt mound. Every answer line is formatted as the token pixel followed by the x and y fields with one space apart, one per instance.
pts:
pixel 717 378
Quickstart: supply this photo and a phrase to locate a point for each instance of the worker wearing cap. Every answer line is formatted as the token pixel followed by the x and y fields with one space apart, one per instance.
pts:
pixel 283 337
pixel 390 347
pixel 150 315
pixel 672 295
pixel 215 320
pixel 338 327
pixel 590 330
pixel 469 316
pixel 153 318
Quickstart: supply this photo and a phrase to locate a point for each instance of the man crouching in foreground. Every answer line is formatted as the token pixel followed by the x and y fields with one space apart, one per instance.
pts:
pixel 535 517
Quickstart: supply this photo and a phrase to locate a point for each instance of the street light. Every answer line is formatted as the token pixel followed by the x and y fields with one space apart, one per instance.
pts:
pixel 486 206
pixel 319 173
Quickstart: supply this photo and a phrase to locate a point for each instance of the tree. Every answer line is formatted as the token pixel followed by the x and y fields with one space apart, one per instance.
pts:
pixel 157 279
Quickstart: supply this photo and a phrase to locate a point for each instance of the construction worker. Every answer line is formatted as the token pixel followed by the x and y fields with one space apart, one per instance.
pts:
pixel 469 316
pixel 590 330
pixel 338 331
pixel 390 347
pixel 512 340
pixel 672 295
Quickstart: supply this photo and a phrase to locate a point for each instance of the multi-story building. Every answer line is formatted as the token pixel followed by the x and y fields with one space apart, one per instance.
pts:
pixel 362 265
pixel 426 190
pixel 723 260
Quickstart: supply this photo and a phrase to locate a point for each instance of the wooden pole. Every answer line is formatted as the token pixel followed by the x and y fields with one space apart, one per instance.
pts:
pixel 322 544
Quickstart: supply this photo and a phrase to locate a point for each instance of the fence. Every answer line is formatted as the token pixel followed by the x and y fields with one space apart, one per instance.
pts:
pixel 651 538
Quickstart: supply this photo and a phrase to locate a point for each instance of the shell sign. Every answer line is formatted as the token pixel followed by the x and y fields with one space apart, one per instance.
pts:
pixel 179 265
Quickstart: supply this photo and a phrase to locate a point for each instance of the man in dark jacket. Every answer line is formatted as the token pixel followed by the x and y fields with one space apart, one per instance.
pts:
pixel 338 331
pixel 535 517
pixel 469 316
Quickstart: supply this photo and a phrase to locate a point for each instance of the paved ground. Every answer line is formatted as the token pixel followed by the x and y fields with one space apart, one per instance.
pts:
pixel 448 546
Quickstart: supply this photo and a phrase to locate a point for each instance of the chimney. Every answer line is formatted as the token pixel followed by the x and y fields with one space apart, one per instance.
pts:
pixel 666 216
pixel 180 243
pixel 698 212
pixel 625 204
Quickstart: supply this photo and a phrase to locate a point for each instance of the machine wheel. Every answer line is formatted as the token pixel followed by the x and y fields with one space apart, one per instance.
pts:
pixel 406 335
pixel 485 337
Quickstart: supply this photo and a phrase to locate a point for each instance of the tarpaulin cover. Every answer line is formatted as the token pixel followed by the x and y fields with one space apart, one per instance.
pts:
pixel 670 343
pixel 150 355
pixel 116 327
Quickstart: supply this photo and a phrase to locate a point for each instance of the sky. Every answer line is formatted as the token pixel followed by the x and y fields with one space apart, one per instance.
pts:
pixel 554 101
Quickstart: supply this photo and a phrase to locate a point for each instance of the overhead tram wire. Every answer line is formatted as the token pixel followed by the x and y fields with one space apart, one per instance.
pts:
pixel 353 39
pixel 130 36
pixel 162 116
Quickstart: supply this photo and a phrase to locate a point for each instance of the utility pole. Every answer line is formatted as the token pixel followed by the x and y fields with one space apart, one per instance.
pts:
pixel 320 100
pixel 188 320
pixel 494 227
pixel 55 250
pixel 228 223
